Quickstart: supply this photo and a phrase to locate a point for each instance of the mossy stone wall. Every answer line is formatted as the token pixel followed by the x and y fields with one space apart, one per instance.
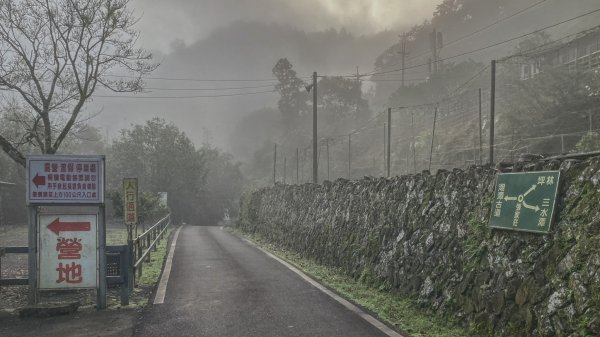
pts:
pixel 427 236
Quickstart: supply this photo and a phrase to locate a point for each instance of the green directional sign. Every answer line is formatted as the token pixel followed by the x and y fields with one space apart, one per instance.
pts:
pixel 525 201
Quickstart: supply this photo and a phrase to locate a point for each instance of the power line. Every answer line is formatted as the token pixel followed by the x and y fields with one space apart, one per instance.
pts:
pixel 495 23
pixel 488 46
pixel 211 89
pixel 552 44
pixel 200 79
pixel 186 97
pixel 478 30
pixel 448 96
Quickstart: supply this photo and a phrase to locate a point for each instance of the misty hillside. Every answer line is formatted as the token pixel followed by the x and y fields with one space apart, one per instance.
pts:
pixel 251 49
pixel 247 50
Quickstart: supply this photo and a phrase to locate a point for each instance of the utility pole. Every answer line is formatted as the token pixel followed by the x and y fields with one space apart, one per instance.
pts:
pixel 492 110
pixel 412 115
pixel 358 90
pixel 327 147
pixel 303 160
pixel 384 145
pixel 432 136
pixel 389 142
pixel 315 164
pixel 349 154
pixel 436 44
pixel 284 168
pixel 480 132
pixel 403 52
pixel 275 164
pixel 297 166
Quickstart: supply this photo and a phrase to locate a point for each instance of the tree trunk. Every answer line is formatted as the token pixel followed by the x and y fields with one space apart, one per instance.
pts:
pixel 12 151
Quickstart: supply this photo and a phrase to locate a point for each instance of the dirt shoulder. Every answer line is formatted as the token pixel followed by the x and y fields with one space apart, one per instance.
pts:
pixel 87 321
pixel 82 323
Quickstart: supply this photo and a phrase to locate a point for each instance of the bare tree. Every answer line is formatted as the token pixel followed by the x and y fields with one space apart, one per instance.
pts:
pixel 54 54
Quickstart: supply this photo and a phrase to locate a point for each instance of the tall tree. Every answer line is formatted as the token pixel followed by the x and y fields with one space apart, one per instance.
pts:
pixel 293 101
pixel 342 104
pixel 164 160
pixel 54 54
pixel 224 183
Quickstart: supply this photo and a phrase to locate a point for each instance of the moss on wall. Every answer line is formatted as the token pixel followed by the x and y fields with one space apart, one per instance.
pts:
pixel 427 236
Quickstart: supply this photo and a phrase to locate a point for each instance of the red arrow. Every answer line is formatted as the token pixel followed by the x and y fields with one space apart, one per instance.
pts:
pixel 56 226
pixel 39 180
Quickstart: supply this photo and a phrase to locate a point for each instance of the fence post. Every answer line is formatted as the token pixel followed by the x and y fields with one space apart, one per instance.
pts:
pixel 1 254
pixel 148 243
pixel 492 109
pixel 155 235
pixel 139 254
pixel 130 264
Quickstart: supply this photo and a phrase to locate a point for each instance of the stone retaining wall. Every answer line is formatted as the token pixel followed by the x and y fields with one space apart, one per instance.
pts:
pixel 427 236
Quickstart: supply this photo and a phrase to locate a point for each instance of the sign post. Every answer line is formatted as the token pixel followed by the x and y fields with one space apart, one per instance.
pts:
pixel 66 244
pixel 525 201
pixel 130 217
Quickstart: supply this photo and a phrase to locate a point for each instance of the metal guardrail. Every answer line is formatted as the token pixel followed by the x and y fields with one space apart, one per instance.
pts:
pixel 122 261
pixel 12 281
pixel 147 241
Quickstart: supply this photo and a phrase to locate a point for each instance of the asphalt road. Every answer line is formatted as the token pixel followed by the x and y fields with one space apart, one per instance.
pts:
pixel 220 286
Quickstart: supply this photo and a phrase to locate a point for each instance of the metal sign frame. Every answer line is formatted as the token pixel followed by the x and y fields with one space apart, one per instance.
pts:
pixel 34 207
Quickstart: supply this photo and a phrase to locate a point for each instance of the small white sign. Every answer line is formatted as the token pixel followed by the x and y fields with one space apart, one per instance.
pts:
pixel 55 179
pixel 68 251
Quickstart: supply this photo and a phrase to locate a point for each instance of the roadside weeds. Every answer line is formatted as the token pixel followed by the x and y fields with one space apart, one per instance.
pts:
pixel 392 308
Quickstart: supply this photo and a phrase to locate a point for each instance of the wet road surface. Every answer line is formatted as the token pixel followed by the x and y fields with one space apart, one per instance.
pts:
pixel 222 286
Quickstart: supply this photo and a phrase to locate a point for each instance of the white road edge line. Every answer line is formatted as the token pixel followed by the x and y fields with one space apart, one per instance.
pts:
pixel 164 279
pixel 375 322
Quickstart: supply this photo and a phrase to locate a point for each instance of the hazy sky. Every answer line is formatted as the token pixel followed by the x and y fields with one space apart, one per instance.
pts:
pixel 164 24
pixel 249 51
pixel 163 21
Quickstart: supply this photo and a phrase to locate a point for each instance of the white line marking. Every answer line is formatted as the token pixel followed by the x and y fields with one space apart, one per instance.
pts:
pixel 375 322
pixel 164 279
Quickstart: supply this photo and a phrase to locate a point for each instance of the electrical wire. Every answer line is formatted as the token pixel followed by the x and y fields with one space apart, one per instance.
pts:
pixel 474 32
pixel 485 47
pixel 210 89
pixel 187 97
pixel 199 79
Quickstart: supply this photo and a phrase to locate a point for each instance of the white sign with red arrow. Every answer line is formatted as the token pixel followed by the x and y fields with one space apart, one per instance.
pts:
pixel 53 179
pixel 68 249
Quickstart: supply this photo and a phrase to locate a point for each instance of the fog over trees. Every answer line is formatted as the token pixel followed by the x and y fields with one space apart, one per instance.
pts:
pixel 238 88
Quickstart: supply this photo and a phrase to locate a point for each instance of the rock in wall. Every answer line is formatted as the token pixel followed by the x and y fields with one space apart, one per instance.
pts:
pixel 427 236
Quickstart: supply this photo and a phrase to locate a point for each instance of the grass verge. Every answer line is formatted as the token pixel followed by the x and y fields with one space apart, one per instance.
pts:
pixel 151 271
pixel 392 308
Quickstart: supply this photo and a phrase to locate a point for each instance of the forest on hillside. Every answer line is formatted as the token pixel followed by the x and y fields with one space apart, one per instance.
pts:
pixel 440 110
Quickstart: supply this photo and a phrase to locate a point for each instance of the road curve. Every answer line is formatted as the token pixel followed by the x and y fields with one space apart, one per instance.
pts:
pixel 220 286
